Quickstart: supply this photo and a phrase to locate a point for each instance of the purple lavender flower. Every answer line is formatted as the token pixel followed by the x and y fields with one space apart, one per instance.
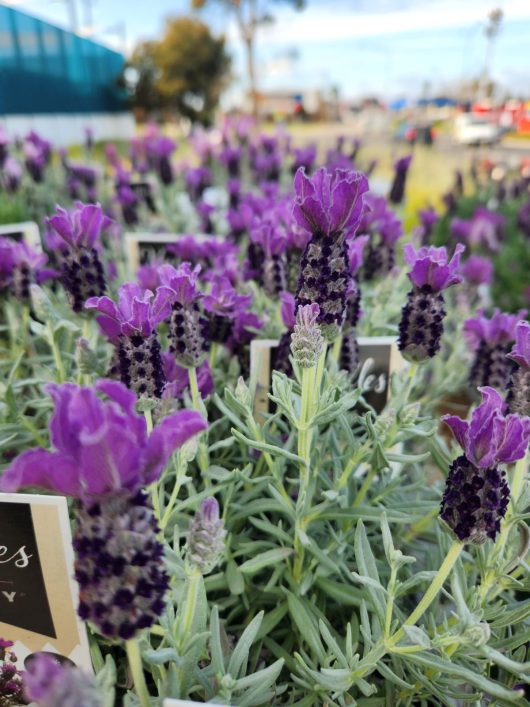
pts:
pixel 205 211
pixel 10 676
pixel 477 270
pixel 246 327
pixel 230 157
pixel 304 157
pixel 476 494
pixel 49 684
pixel 11 175
pixel 159 150
pixel 80 229
pixel 148 276
pixel 222 304
pixel 233 187
pixel 428 220
pixel 197 180
pixel 178 379
pixel 421 326
pixel 397 191
pixel 270 238
pixel 330 206
pixel 128 201
pixel 188 328
pixel 104 457
pixel 385 229
pixel 131 326
pixel 353 293
pixel 19 268
pixel 490 339
pixel 486 229
pixel 206 537
pixel 518 398
pixel 329 203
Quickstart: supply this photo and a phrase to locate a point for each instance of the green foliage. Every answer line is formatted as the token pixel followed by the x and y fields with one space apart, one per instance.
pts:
pixel 184 72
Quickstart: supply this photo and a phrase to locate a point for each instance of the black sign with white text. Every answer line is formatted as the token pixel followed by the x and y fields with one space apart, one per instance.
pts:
pixel 23 599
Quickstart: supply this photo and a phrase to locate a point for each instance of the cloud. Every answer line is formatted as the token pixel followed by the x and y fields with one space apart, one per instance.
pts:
pixel 335 21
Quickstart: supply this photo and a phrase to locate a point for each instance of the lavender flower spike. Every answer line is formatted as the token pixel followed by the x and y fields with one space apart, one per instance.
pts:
pixel 206 537
pixel 491 339
pixel 81 269
pixel 519 386
pixel 330 206
pixel 421 326
pixel 49 684
pixel 104 457
pixel 188 327
pixel 131 324
pixel 476 494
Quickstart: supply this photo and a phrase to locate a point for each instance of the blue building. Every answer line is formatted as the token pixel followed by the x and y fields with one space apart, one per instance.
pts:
pixel 53 80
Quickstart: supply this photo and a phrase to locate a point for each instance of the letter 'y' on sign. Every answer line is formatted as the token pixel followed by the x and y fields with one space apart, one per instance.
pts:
pixel 38 594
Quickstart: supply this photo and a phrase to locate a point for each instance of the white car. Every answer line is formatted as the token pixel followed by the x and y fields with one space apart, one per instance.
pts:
pixel 472 130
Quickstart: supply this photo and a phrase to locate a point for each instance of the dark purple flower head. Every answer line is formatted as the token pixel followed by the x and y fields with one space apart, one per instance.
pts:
pixel 101 448
pixel 137 311
pixel 492 437
pixel 460 229
pixel 431 267
pixel 397 191
pixel 498 330
pixel 355 253
pixel 81 226
pixel 12 173
pixel 182 282
pixel 403 164
pixel 520 353
pixel 223 300
pixel 329 203
pixel 477 270
pixel 246 325
pixel 304 157
pixel 288 309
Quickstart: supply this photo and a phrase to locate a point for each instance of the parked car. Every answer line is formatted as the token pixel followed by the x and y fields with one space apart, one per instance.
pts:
pixel 472 130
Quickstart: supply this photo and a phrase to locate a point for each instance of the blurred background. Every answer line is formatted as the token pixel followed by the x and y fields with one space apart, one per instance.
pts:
pixel 450 80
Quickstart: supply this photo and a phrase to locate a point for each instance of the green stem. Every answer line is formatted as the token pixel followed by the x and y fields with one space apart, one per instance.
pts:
pixel 304 434
pixel 213 355
pixel 135 664
pixel 365 487
pixel 203 460
pixel 431 593
pixel 409 383
pixel 154 486
pixel 386 645
pixel 172 500
pixel 335 351
pixel 61 375
pixel 354 461
pixel 194 581
pixel 519 474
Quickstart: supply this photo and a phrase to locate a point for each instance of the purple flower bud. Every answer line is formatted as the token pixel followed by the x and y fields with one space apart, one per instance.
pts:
pixel 206 537
pixel 355 253
pixel 421 325
pixel 80 229
pixel 397 191
pixel 223 304
pixel 49 684
pixel 491 340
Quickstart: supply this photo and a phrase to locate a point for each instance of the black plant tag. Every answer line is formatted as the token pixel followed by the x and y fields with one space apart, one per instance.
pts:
pixel 23 598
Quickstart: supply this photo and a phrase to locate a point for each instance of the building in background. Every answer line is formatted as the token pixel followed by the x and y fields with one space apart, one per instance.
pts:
pixel 58 83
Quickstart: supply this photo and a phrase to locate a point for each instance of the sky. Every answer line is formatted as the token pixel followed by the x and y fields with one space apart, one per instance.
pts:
pixel 390 48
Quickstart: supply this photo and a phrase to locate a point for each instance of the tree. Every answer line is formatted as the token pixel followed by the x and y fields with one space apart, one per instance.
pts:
pixel 249 17
pixel 184 72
